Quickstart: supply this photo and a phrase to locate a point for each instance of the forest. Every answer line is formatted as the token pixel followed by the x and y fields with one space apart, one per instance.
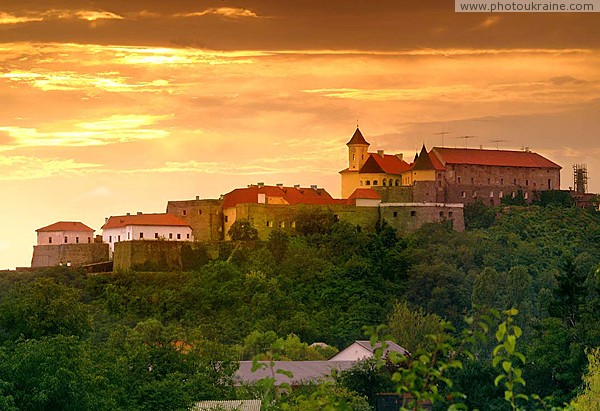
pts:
pixel 148 340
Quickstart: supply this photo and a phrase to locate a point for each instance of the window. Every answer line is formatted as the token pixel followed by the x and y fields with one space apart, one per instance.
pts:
pixel 526 195
pixel 450 214
pixel 156 235
pixel 199 212
pixel 395 214
pixel 489 181
pixel 526 182
pixel 188 236
pixel 293 224
pixel 491 194
pixel 441 214
pixel 184 212
pixel 397 182
pixel 76 240
pixel 384 182
pixel 49 240
pixel 515 181
pixel 368 182
pixel 472 180
pixel 458 180
pixel 360 182
pixel 226 218
pixel 89 239
pixel 270 223
pixel 375 182
pixel 501 194
pixel 439 183
pixel 549 184
pixel 475 194
pixel 129 235
pixel 179 236
pixel 110 238
pixel 170 236
pixel 141 236
pixel 463 194
pixel 282 224
pixel 353 156
pixel 501 181
pixel 119 238
pixel 66 239
pixel 413 213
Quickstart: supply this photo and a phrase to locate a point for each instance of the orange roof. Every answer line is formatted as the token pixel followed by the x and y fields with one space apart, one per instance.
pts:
pixel 291 195
pixel 364 193
pixel 144 219
pixel 502 158
pixel 388 164
pixel 357 138
pixel 65 226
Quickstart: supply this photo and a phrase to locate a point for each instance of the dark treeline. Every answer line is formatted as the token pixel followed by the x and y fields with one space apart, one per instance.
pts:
pixel 155 340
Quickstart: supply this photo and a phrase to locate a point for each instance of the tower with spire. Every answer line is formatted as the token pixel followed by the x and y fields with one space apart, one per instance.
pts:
pixel 358 151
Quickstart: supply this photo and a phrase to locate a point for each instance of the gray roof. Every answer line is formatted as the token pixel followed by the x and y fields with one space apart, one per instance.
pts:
pixel 302 371
pixel 237 405
pixel 391 347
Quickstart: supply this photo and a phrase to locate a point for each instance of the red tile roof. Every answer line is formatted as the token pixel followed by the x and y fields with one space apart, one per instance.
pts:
pixel 388 164
pixel 144 219
pixel 503 158
pixel 357 138
pixel 291 195
pixel 65 226
pixel 364 193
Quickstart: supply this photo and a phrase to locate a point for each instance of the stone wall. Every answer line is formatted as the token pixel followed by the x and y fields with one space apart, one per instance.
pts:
pixel 204 216
pixel 69 254
pixel 148 255
pixel 408 217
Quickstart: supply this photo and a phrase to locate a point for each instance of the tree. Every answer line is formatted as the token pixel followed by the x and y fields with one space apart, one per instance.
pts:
pixel 409 328
pixel 312 220
pixel 589 398
pixel 242 230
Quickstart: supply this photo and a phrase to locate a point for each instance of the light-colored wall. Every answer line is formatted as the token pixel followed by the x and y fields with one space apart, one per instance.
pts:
pixel 354 352
pixel 132 232
pixel 58 237
pixel 69 254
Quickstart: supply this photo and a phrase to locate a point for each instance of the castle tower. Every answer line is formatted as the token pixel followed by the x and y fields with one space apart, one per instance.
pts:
pixel 357 151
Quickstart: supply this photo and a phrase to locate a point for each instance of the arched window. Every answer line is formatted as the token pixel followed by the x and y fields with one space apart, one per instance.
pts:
pixel 368 182
pixel 384 182
pixel 375 182
pixel 397 182
pixel 361 182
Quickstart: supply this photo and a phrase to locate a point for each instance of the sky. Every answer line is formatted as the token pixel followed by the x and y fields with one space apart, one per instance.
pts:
pixel 109 107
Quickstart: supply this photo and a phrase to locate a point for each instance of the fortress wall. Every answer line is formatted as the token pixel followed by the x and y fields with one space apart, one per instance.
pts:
pixel 204 216
pixel 73 254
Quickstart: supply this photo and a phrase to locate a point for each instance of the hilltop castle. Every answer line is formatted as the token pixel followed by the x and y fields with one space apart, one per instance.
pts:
pixel 376 188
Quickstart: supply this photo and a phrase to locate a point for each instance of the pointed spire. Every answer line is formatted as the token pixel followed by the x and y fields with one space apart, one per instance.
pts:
pixel 357 138
pixel 423 161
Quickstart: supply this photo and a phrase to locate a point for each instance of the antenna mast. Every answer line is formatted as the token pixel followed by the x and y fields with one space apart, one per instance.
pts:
pixel 443 133
pixel 466 138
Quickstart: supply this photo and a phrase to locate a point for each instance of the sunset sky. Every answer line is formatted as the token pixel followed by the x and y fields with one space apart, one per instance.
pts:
pixel 110 106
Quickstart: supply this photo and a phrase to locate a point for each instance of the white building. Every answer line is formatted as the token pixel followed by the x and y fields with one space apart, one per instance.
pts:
pixel 362 349
pixel 65 232
pixel 166 227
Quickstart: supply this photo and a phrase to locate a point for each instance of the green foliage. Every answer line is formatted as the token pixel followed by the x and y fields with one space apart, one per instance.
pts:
pixel 517 200
pixel 477 215
pixel 311 221
pixel 242 230
pixel 589 398
pixel 367 379
pixel 409 326
pixel 556 198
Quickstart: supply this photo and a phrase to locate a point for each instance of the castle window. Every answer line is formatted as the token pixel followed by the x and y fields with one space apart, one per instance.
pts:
pixel 526 182
pixel 475 194
pixel 66 239
pixel 501 181
pixel 110 238
pixel 156 235
pixel 463 194
pixel 450 214
pixel 89 240
pixel 458 180
pixel 515 181
pixel 472 180
pixel 282 224
pixel 489 181
pixel 170 236
pixel 129 236
pixel 49 240
pixel 293 224
pixel 526 195
pixel 441 214
pixel 397 182
pixel 368 182
pixel 549 184
pixel 413 213
pixel 226 218
pixel 76 240
pixel 384 182
pixel 395 214
pixel 119 238
pixel 184 212
pixel 199 212
pixel 500 194
pixel 375 182
pixel 188 236
pixel 439 183
pixel 141 236
pixel 353 156
pixel 179 236
pixel 491 194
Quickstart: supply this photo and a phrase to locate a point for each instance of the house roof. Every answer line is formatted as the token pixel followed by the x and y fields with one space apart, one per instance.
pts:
pixel 302 371
pixel 391 347
pixel 291 195
pixel 65 226
pixel 357 138
pixel 387 163
pixel 145 219
pixel 503 158
pixel 364 193
pixel 427 161
pixel 237 405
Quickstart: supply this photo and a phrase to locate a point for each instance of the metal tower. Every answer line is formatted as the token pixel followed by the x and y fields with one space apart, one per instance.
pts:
pixel 580 178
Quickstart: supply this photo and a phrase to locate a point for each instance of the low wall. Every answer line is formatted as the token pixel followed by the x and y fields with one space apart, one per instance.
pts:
pixel 74 255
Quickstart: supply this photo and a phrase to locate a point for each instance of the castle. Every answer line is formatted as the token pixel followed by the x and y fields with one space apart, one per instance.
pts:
pixel 377 188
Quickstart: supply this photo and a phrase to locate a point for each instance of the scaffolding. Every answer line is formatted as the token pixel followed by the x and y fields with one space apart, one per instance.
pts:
pixel 580 178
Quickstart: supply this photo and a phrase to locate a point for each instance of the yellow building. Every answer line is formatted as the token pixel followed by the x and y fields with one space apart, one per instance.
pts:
pixel 370 169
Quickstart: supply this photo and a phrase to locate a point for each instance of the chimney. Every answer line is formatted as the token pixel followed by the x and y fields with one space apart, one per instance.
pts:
pixel 400 156
pixel 380 152
pixel 261 184
pixel 128 213
pixel 279 184
pixel 296 185
pixel 105 220
pixel 197 197
pixel 313 186
pixel 139 213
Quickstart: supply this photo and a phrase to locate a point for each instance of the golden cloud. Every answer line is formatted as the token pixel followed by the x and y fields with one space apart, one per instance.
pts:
pixel 6 18
pixel 228 12
pixel 87 15
pixel 28 168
